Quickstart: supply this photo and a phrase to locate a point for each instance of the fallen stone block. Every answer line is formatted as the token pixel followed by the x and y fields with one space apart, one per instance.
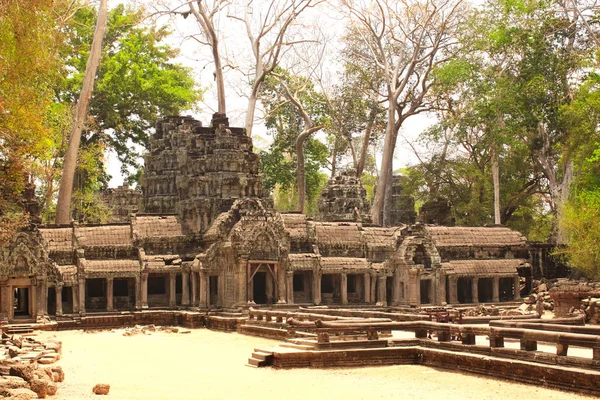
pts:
pixel 40 386
pixel 101 389
pixel 12 382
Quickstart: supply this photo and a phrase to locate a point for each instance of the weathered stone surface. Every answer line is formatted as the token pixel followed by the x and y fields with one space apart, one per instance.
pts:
pixel 122 202
pixel 40 386
pixel 56 372
pixel 12 382
pixel 101 388
pixel 19 394
pixel 344 199
pixel 25 371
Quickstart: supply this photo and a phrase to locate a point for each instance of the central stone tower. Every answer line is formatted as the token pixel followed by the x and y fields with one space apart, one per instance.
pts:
pixel 198 172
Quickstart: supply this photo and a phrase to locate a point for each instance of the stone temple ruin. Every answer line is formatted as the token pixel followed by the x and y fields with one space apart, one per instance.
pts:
pixel 207 249
pixel 209 238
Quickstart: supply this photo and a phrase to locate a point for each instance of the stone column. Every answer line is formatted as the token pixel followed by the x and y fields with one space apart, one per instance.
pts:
pixel 109 294
pixel 75 298
pixel 203 289
pixel 290 286
pixel 453 288
pixel 42 297
pixel 441 287
pixel 367 281
pixel 496 290
pixel 81 296
pixel 269 288
pixel 475 289
pixel 194 279
pixel 344 288
pixel 517 284
pixel 59 310
pixel 280 283
pixel 172 297
pixel 373 288
pixel 414 287
pixel 396 288
pixel 381 291
pixel 185 288
pixel 138 293
pixel 144 290
pixel 316 287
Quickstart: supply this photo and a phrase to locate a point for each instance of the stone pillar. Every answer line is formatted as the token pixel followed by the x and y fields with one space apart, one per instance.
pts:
pixel 367 287
pixel 144 290
pixel 109 294
pixel 373 288
pixel 396 288
pixel 344 288
pixel 172 297
pixel 381 291
pixel 316 287
pixel 42 298
pixel 453 288
pixel 290 286
pixel 475 289
pixel 81 296
pixel 496 290
pixel 441 287
pixel 185 288
pixel 138 293
pixel 517 284
pixel 59 310
pixel 194 279
pixel 75 298
pixel 250 290
pixel 414 287
pixel 280 283
pixel 269 288
pixel 203 289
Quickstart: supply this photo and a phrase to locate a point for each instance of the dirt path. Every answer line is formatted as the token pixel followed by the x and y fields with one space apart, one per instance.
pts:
pixel 210 365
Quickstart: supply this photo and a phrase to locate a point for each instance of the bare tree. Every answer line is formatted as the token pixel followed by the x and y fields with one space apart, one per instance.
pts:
pixel 205 16
pixel 407 40
pixel 268 41
pixel 63 206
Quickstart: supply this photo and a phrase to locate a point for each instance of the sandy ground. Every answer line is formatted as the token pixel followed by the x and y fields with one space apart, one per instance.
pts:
pixel 210 365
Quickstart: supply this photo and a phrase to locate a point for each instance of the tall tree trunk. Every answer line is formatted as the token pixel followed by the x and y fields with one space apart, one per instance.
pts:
pixel 334 160
pixel 388 206
pixel 251 109
pixel 63 206
pixel 300 171
pixel 386 162
pixel 365 145
pixel 496 179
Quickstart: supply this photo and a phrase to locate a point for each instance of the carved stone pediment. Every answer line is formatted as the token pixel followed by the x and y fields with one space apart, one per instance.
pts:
pixel 23 256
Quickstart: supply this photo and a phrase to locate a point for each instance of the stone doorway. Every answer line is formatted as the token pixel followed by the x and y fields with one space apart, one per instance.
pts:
pixel 464 289
pixel 485 290
pixel 426 291
pixel 262 282
pixel 22 303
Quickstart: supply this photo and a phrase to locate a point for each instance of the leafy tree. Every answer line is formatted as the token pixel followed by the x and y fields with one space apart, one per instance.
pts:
pixel 137 81
pixel 281 94
pixel 28 66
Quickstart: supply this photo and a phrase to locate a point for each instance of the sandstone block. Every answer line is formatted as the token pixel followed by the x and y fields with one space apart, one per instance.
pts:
pixel 101 388
pixel 40 386
pixel 18 394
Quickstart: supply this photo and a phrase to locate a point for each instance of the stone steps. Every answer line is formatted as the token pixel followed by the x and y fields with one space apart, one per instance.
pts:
pixel 19 329
pixel 260 358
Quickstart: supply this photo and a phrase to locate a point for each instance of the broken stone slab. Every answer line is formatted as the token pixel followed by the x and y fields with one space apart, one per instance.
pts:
pixel 101 389
pixel 12 382
pixel 19 394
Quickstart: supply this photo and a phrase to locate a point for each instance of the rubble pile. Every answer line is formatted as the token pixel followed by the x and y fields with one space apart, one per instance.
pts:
pixel 148 329
pixel 539 300
pixel 25 367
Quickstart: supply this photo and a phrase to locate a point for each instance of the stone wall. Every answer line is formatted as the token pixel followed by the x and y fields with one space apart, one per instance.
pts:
pixel 344 199
pixel 198 172
pixel 122 202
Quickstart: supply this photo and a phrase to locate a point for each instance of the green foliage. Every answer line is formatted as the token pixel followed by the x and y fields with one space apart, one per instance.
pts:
pixel 580 218
pixel 27 71
pixel 284 123
pixel 137 81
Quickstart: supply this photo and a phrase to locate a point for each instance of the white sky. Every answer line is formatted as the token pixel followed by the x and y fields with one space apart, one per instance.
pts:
pixel 235 43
